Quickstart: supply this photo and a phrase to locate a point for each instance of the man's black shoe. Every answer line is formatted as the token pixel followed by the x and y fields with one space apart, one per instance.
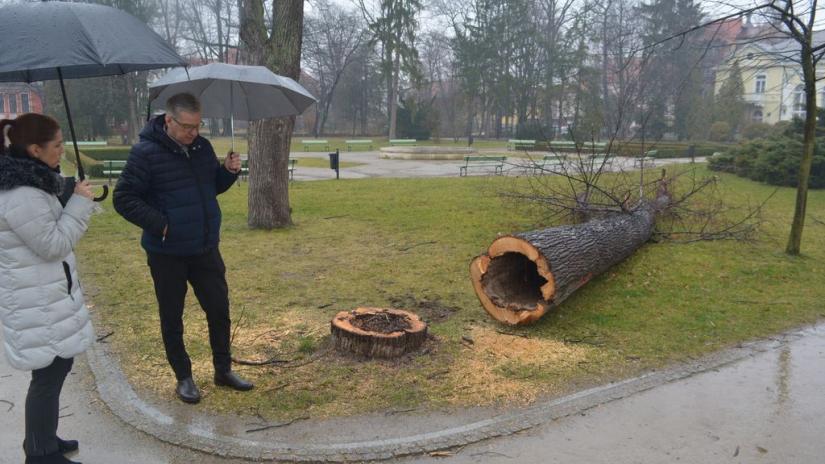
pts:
pixel 67 446
pixel 187 391
pixel 56 458
pixel 63 446
pixel 231 380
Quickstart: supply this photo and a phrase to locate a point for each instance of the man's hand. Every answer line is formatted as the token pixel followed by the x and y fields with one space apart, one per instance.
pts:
pixel 232 163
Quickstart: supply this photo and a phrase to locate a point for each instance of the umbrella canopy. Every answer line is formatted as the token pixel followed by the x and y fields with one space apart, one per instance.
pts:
pixel 79 39
pixel 60 40
pixel 230 90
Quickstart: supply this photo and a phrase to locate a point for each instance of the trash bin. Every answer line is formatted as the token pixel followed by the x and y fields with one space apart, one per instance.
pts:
pixel 333 163
pixel 333 160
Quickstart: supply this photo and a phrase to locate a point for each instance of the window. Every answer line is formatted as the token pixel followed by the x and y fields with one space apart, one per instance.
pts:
pixel 757 116
pixel 761 81
pixel 24 102
pixel 12 103
pixel 799 102
pixel 2 103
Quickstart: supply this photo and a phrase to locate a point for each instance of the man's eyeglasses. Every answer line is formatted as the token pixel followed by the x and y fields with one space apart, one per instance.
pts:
pixel 189 127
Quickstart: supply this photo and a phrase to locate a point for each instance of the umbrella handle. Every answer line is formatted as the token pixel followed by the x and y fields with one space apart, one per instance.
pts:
pixel 104 195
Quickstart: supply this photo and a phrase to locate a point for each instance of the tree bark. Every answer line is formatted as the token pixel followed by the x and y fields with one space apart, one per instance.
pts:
pixel 132 119
pixel 347 336
pixel 522 276
pixel 798 224
pixel 396 70
pixel 269 139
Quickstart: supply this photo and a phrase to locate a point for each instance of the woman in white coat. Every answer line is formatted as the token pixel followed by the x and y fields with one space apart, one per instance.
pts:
pixel 44 318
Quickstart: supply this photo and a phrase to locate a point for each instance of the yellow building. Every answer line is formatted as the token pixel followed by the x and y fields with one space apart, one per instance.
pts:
pixel 772 78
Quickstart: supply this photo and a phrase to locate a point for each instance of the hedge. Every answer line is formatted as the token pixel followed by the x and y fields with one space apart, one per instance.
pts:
pixel 774 161
pixel 663 149
pixel 103 153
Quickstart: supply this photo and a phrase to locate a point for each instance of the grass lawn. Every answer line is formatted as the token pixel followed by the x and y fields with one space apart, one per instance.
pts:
pixel 407 243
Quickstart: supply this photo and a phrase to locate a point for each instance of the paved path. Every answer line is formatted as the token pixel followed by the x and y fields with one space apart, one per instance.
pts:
pixel 762 403
pixel 374 166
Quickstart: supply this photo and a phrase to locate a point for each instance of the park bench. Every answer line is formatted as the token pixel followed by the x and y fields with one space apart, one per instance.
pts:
pixel 113 168
pixel 573 146
pixel 309 144
pixel 597 161
pixel 647 159
pixel 101 143
pixel 245 168
pixel 549 163
pixel 396 142
pixel 496 163
pixel 352 143
pixel 516 144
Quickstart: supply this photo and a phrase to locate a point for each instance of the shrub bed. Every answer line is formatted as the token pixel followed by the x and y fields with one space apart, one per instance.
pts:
pixel 103 153
pixel 774 161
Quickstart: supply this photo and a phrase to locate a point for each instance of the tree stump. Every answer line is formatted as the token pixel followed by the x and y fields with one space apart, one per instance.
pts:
pixel 524 275
pixel 378 332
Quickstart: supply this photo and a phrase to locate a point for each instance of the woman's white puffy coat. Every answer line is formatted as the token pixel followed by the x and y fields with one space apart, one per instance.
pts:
pixel 41 302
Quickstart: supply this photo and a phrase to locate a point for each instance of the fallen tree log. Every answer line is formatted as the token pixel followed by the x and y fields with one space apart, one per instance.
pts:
pixel 524 275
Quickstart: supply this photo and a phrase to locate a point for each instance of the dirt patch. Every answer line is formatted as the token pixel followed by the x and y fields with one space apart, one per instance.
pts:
pixel 381 322
pixel 429 310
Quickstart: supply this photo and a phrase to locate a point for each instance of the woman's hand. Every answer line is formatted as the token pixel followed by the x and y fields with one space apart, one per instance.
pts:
pixel 84 189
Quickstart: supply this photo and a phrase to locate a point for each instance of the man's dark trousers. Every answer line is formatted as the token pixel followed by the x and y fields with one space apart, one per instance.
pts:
pixel 206 273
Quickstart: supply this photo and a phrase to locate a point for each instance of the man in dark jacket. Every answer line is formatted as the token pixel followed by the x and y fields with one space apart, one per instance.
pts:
pixel 169 188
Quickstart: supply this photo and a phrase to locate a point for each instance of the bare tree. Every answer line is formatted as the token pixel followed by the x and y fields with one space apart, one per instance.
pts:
pixel 211 28
pixel 797 20
pixel 269 140
pixel 394 26
pixel 332 35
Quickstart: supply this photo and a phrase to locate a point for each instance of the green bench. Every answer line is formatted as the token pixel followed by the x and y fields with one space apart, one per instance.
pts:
pixel 515 144
pixel 396 142
pixel 648 159
pixel 573 146
pixel 113 168
pixel 549 163
pixel 309 144
pixel 486 162
pixel 102 143
pixel 245 168
pixel 352 143
pixel 597 161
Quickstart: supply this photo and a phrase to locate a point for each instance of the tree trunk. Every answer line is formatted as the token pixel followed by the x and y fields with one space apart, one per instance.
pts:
pixel 396 332
pixel 470 116
pixel 132 119
pixel 269 139
pixel 524 275
pixel 396 70
pixel 268 175
pixel 798 224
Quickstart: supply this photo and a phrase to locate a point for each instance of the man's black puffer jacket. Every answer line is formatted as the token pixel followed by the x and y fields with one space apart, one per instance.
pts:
pixel 163 185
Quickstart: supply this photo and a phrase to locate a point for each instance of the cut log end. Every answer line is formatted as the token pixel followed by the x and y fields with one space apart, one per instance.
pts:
pixel 513 281
pixel 378 332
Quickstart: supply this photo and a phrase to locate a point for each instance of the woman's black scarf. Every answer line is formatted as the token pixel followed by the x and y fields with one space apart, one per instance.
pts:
pixel 18 169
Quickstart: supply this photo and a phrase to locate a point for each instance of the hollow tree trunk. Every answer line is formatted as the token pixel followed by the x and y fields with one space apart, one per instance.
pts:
pixel 524 275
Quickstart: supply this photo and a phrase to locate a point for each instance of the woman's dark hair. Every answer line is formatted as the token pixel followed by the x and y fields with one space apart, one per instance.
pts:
pixel 27 129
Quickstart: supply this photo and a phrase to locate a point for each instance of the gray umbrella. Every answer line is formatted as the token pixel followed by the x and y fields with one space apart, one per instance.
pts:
pixel 234 91
pixel 59 40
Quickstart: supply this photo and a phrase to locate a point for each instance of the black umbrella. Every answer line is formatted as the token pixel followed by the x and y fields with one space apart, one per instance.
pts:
pixel 59 40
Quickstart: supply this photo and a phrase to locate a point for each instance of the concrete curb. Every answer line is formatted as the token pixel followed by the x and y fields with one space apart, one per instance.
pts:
pixel 197 430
